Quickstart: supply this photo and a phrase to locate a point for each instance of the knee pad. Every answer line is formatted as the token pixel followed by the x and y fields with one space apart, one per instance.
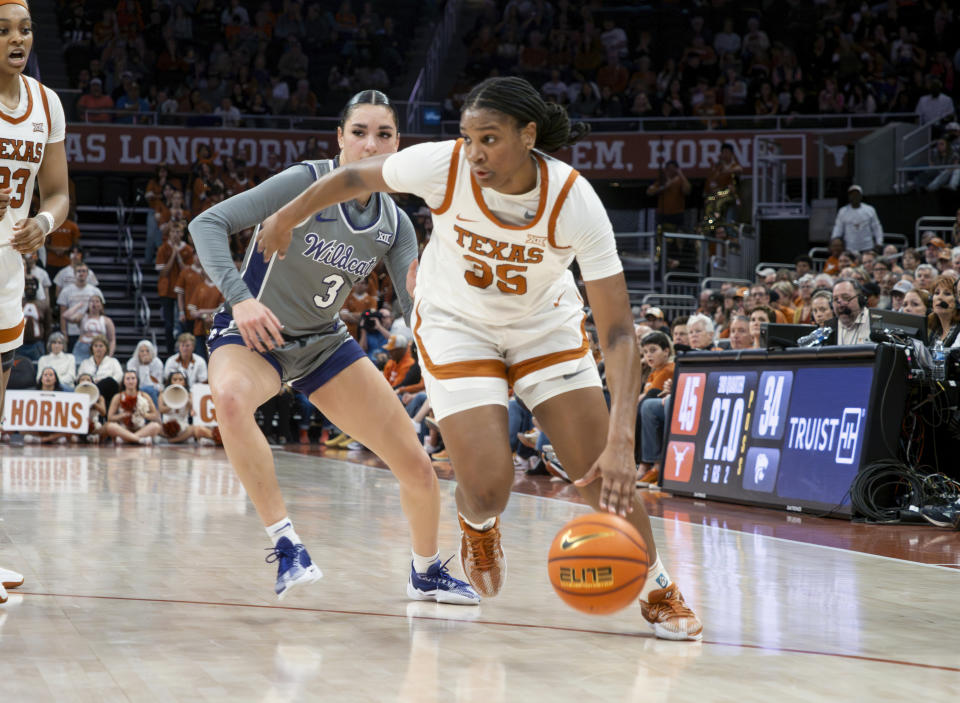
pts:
pixel 6 360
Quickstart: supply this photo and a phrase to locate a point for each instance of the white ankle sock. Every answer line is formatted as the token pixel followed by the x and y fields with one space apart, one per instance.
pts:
pixel 283 528
pixel 657 578
pixel 421 564
pixel 481 527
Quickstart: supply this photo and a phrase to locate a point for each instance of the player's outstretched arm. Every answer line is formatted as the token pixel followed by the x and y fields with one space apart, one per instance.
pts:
pixel 340 185
pixel 610 303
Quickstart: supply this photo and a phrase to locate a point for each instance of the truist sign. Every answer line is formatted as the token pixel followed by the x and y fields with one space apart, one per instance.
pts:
pixel 99 148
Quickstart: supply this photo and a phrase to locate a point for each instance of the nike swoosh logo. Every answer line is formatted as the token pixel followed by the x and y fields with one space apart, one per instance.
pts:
pixel 568 376
pixel 320 218
pixel 464 219
pixel 567 543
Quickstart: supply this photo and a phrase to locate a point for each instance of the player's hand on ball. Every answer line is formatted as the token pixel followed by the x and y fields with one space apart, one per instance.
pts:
pixel 274 237
pixel 616 468
pixel 258 326
pixel 27 236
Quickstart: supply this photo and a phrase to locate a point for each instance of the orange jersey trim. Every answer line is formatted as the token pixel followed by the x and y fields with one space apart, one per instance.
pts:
pixel 46 108
pixel 25 115
pixel 457 369
pixel 11 334
pixel 451 179
pixel 528 366
pixel 544 182
pixel 555 214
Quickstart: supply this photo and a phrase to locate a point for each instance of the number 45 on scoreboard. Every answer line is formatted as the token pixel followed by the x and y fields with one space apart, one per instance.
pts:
pixel 686 413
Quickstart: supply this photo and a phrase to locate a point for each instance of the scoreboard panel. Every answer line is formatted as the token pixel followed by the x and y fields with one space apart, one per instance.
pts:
pixel 775 430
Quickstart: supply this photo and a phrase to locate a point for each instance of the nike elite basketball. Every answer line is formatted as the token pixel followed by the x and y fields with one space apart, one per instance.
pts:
pixel 598 563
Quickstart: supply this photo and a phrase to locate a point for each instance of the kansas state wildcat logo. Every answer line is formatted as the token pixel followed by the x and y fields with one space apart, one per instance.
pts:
pixel 336 254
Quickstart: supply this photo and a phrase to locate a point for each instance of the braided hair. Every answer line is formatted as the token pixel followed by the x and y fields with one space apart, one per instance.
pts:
pixel 517 98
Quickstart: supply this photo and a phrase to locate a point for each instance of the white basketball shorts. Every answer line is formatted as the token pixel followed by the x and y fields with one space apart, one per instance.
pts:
pixel 466 364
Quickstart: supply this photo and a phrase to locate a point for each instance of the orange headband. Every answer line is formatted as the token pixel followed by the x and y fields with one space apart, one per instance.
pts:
pixel 21 3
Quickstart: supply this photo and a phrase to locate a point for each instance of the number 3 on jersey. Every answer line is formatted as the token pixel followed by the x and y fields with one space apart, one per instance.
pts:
pixel 334 284
pixel 509 278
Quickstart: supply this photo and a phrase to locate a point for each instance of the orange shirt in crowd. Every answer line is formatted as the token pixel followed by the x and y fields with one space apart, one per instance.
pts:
pixel 396 371
pixel 154 191
pixel 64 236
pixel 166 284
pixel 355 304
pixel 202 296
pixel 658 377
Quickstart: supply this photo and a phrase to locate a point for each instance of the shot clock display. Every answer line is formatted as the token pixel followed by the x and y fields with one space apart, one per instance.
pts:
pixel 780 429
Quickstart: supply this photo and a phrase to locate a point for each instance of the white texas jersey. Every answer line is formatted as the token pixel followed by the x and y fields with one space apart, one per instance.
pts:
pixel 24 134
pixel 497 258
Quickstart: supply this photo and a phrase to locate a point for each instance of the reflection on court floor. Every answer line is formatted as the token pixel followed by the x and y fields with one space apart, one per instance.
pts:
pixel 145 580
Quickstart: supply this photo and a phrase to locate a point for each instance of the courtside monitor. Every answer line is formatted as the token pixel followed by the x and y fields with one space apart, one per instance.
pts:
pixel 898 323
pixel 778 336
pixel 783 429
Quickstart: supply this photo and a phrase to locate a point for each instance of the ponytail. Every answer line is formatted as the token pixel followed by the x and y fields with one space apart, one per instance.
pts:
pixel 517 98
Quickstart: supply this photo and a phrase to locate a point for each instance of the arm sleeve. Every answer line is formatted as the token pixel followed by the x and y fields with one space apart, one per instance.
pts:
pixel 584 225
pixel 397 261
pixel 421 169
pixel 211 229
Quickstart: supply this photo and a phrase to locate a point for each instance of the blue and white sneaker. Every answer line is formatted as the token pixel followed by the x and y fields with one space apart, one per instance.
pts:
pixel 294 567
pixel 438 585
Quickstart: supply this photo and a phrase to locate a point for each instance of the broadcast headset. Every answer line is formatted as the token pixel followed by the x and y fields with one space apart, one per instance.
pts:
pixel 861 298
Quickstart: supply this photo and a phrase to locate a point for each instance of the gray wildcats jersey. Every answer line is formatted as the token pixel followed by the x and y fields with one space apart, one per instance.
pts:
pixel 328 253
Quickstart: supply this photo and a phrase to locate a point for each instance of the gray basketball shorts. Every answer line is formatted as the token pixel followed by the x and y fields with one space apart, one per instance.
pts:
pixel 306 363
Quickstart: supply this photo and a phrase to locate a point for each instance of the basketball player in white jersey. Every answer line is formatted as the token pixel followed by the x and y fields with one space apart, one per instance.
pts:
pixel 495 305
pixel 31 150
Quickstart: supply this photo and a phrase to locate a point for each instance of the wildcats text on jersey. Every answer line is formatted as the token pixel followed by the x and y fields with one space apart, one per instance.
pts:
pixel 501 251
pixel 21 150
pixel 336 254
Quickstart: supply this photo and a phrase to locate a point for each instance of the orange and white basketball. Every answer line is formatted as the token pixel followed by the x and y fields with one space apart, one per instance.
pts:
pixel 598 563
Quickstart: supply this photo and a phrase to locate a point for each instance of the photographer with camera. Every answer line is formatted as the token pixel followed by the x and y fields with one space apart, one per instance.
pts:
pixel 358 302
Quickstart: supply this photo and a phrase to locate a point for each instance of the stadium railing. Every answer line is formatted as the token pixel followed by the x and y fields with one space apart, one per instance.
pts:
pixel 709 282
pixel 941 225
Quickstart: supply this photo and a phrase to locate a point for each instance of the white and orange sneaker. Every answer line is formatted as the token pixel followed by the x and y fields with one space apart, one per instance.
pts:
pixel 669 616
pixel 10 579
pixel 482 558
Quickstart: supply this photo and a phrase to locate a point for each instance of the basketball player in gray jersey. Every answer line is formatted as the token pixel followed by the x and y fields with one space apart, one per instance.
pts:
pixel 301 294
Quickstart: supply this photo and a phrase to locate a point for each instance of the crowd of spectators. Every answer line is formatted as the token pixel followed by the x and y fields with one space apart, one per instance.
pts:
pixel 70 335
pixel 224 60
pixel 833 292
pixel 716 59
